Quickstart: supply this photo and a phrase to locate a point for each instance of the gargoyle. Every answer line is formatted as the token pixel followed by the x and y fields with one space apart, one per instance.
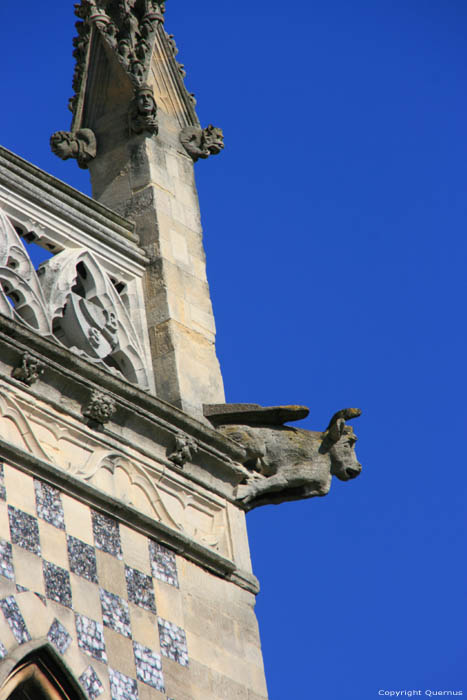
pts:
pixel 201 143
pixel 81 145
pixel 286 463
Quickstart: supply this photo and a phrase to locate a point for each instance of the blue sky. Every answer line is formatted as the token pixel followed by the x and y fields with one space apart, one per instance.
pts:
pixel 335 227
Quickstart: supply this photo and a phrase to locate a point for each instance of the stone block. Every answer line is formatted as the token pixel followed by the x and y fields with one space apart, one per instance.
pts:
pixel 179 248
pixel 20 490
pixel 145 692
pixel 36 615
pixel 28 570
pixel 178 684
pixel 86 598
pixel 53 544
pixel 77 519
pixel 135 549
pixel 169 603
pixel 144 626
pixel 111 573
pixel 120 652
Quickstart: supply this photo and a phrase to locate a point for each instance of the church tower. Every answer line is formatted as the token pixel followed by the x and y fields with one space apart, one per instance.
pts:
pixel 125 477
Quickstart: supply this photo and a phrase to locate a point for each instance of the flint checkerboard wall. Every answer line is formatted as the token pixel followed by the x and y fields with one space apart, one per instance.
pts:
pixel 96 589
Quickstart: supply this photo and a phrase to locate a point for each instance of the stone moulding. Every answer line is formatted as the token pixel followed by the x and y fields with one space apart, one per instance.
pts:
pixel 118 469
pixel 23 181
pixel 177 541
pixel 81 378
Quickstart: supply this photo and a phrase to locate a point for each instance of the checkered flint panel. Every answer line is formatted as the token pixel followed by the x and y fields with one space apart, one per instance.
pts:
pixel 82 559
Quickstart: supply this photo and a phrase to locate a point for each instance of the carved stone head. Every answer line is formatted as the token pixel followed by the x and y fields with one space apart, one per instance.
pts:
pixel 339 441
pixel 64 144
pixel 213 139
pixel 143 111
pixel 81 145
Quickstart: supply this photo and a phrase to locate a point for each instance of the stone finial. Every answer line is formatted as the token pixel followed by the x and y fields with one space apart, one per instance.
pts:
pixel 101 407
pixel 127 27
pixel 202 143
pixel 29 370
pixel 81 145
pixel 142 116
pixel 185 448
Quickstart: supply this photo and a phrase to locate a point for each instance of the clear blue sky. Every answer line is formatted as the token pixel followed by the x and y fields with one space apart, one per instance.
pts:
pixel 335 229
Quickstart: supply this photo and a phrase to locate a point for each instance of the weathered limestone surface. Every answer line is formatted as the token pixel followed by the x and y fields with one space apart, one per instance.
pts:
pixel 286 463
pixel 125 570
pixel 154 187
pixel 123 550
pixel 130 96
pixel 125 615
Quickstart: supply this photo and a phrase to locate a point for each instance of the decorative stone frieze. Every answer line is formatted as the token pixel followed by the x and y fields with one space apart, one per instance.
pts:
pixel 185 448
pixel 81 145
pixel 29 370
pixel 101 407
pixel 143 112
pixel 202 143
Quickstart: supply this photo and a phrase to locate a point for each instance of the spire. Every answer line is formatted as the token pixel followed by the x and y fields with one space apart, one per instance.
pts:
pixel 135 127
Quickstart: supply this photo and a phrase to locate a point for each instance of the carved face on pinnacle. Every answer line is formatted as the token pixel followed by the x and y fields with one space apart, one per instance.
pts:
pixel 145 102
pixel 143 111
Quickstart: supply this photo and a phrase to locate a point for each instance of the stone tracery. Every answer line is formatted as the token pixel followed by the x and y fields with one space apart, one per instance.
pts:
pixel 72 301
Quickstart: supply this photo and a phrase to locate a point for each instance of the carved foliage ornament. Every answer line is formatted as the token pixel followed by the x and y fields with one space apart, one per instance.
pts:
pixel 101 407
pixel 81 145
pixel 72 301
pixel 201 143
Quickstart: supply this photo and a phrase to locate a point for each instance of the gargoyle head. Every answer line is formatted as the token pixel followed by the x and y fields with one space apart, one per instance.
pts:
pixel 81 145
pixel 213 139
pixel 339 441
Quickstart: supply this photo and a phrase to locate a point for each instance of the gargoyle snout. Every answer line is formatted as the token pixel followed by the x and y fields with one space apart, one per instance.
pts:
pixel 354 471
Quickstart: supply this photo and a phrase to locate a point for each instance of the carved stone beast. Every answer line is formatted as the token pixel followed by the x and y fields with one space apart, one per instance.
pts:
pixel 287 463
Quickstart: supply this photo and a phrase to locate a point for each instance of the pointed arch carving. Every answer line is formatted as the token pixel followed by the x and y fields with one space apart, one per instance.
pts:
pixel 41 675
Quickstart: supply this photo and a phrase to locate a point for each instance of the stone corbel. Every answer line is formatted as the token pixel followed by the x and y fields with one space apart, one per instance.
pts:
pixel 142 117
pixel 185 448
pixel 101 408
pixel 81 145
pixel 29 370
pixel 202 143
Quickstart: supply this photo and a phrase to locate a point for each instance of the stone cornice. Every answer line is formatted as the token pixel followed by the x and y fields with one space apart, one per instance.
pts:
pixel 179 542
pixel 63 368
pixel 69 205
